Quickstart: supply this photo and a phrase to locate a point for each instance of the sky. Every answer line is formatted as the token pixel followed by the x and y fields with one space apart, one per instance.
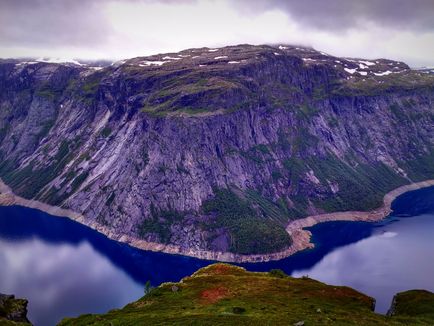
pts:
pixel 114 29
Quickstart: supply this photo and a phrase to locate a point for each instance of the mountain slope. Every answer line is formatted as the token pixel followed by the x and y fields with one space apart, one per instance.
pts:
pixel 214 149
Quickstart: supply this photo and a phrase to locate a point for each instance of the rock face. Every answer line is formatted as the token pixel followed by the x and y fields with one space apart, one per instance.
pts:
pixel 13 310
pixel 215 149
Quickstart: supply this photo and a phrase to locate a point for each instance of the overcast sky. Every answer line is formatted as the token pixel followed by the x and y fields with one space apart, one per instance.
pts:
pixel 114 29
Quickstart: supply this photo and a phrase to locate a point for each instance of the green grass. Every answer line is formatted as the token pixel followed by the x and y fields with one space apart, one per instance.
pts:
pixel 189 94
pixel 222 294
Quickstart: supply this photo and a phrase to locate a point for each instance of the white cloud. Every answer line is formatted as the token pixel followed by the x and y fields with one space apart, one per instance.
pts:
pixel 136 28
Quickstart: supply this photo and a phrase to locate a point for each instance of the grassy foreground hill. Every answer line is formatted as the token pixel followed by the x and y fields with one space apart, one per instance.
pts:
pixel 222 294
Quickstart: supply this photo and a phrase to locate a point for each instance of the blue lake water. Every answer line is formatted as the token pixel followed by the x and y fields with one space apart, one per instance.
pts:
pixel 66 269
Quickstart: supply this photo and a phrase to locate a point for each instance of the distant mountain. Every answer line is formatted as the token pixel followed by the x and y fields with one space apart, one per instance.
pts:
pixel 214 149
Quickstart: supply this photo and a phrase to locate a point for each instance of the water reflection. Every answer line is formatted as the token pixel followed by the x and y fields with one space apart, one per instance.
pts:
pixel 397 257
pixel 62 280
pixel 66 269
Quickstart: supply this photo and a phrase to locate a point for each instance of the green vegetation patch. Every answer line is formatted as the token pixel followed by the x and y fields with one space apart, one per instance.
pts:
pixel 159 223
pixel 378 85
pixel 361 187
pixel 106 132
pixel 49 91
pixel 420 167
pixel 29 180
pixel 413 303
pixel 13 311
pixel 250 234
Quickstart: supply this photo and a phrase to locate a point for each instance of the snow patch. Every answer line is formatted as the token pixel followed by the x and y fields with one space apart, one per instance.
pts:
pixel 367 63
pixel 350 71
pixel 221 57
pixel 363 73
pixel 385 73
pixel 151 63
pixel 281 47
pixel 213 50
pixel 233 62
pixel 26 63
pixel 362 66
pixel 171 58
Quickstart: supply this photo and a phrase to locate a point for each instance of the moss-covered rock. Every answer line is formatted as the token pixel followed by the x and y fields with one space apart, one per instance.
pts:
pixel 417 304
pixel 13 311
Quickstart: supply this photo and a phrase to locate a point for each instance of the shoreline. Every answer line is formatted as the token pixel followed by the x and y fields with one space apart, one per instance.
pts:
pixel 300 237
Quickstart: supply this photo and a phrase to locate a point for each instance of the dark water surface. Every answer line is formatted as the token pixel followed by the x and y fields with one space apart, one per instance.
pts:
pixel 66 269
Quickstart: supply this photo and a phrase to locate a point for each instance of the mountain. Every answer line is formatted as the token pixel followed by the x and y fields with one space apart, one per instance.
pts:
pixel 226 295
pixel 214 149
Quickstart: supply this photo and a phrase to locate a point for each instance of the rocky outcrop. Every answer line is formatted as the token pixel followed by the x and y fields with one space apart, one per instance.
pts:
pixel 13 311
pixel 413 303
pixel 144 148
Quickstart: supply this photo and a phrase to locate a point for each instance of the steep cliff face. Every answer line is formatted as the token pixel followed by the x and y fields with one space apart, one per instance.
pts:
pixel 215 148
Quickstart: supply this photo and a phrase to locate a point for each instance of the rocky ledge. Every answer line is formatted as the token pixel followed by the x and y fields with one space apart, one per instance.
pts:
pixel 13 311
